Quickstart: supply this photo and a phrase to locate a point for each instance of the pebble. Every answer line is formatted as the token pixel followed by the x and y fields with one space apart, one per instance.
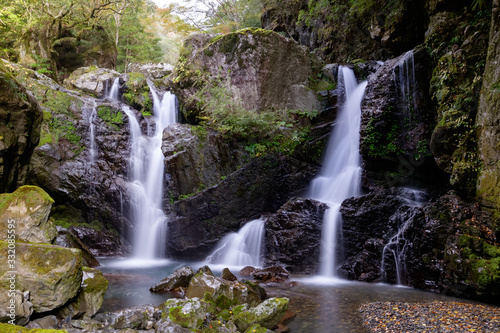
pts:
pixel 430 317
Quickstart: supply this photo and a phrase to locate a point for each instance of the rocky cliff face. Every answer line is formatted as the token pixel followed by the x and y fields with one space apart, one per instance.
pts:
pixel 262 69
pixel 20 120
pixel 488 120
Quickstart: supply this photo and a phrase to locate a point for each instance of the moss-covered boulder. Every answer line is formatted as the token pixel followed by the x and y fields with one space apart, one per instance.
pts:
pixel 267 314
pixel 26 211
pixel 91 80
pixel 262 70
pixel 136 93
pixel 51 274
pixel 89 298
pixel 234 292
pixel 8 328
pixel 188 313
pixel 20 120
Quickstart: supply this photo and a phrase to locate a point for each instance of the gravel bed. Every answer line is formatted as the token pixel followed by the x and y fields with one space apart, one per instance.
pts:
pixel 430 317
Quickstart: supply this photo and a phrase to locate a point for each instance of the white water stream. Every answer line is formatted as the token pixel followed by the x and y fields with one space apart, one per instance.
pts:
pixel 242 248
pixel 339 178
pixel 146 175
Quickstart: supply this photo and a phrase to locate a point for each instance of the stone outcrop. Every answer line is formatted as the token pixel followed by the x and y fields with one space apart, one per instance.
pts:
pixel 178 279
pixel 396 124
pixel 488 120
pixel 445 245
pixel 263 185
pixel 91 80
pixel 27 211
pixel 20 120
pixel 293 235
pixel 197 158
pixel 338 30
pixel 262 70
pixel 93 182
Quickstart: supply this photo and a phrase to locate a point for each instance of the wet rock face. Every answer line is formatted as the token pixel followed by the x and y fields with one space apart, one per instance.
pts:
pixel 293 235
pixel 396 124
pixel 370 31
pixel 100 243
pixel 264 70
pixel 368 224
pixel 447 245
pixel 263 185
pixel 196 158
pixel 20 119
pixel 488 120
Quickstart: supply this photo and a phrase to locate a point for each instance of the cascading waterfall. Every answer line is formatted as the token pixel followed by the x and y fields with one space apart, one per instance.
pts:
pixel 339 178
pixel 240 248
pixel 146 174
pixel 92 116
pixel 398 244
pixel 114 92
pixel 405 81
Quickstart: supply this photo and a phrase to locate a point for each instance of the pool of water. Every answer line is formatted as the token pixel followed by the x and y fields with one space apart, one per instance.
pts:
pixel 321 305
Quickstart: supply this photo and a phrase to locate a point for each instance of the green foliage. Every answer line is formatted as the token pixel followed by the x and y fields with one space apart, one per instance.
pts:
pixel 42 65
pixel 260 132
pixel 382 141
pixel 112 117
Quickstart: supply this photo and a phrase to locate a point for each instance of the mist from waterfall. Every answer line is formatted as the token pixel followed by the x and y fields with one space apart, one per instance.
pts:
pixel 340 175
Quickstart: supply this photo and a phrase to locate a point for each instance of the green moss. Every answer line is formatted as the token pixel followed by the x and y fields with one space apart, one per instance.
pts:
pixel 111 116
pixel 96 284
pixel 8 328
pixel 381 137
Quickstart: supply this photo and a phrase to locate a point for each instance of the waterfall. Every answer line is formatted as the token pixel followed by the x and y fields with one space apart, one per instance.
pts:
pixel 92 116
pixel 240 248
pixel 405 81
pixel 114 92
pixel 339 178
pixel 396 248
pixel 146 174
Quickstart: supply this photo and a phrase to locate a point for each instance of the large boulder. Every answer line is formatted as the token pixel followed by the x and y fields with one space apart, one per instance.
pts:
pixel 20 119
pixel 267 314
pixel 66 238
pixel 26 211
pixel 91 80
pixel 178 279
pixel 89 298
pixel 51 274
pixel 221 290
pixel 265 70
pixel 293 235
